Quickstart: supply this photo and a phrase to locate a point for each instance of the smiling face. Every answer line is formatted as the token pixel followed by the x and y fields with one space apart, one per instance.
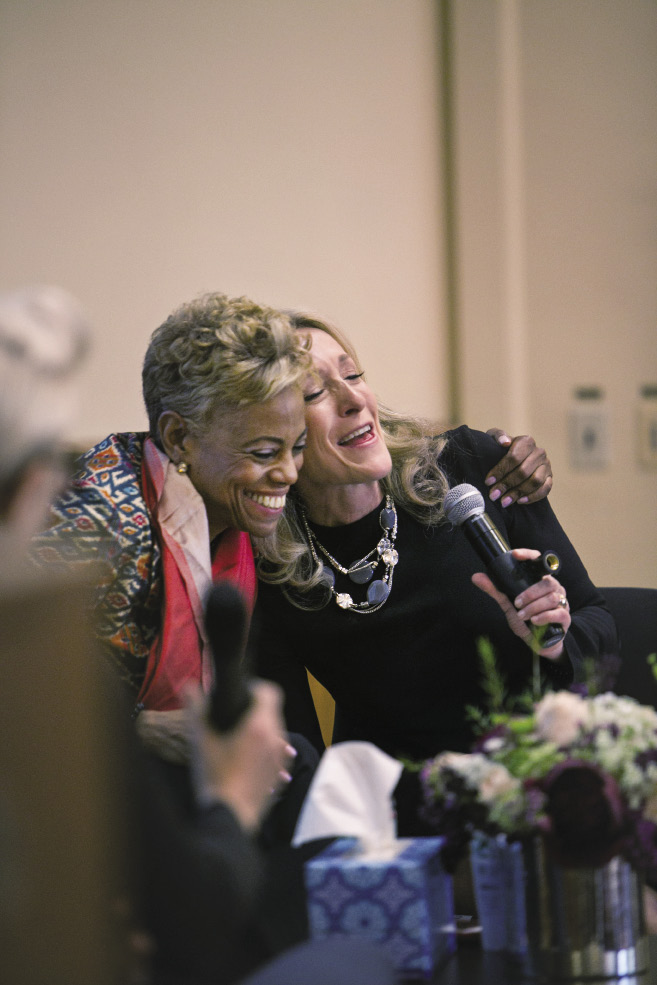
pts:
pixel 345 446
pixel 245 462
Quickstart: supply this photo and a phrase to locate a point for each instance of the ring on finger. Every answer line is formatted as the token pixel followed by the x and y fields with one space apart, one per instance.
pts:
pixel 563 602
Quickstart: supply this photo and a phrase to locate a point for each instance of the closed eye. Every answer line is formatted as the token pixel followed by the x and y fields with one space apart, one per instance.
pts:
pixel 269 454
pixel 315 394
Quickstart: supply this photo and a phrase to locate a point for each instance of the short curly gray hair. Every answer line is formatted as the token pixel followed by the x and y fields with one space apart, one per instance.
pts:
pixel 220 351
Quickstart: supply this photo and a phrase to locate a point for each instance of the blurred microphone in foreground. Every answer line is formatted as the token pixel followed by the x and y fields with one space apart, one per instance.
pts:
pixel 243 757
pixel 227 628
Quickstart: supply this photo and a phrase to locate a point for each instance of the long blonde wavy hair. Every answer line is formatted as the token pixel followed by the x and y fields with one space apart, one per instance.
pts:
pixel 416 483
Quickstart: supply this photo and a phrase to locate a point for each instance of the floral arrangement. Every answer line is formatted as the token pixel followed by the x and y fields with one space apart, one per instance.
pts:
pixel 582 771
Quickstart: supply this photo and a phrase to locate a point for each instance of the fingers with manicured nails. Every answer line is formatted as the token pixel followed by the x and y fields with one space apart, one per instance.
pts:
pixel 539 604
pixel 500 436
pixel 523 475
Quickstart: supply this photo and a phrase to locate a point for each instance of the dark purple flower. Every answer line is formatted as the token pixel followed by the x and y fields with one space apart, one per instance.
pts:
pixel 453 815
pixel 646 757
pixel 535 803
pixel 640 848
pixel 587 820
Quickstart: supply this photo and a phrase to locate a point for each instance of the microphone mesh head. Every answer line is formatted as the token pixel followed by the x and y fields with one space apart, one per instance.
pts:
pixel 461 502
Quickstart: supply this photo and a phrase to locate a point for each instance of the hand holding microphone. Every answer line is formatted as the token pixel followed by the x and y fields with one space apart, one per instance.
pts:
pixel 240 754
pixel 512 572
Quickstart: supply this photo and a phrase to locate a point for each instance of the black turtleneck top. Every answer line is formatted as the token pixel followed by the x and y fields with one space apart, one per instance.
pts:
pixel 403 676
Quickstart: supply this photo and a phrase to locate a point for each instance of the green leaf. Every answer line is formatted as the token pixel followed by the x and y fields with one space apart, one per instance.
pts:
pixel 652 663
pixel 492 681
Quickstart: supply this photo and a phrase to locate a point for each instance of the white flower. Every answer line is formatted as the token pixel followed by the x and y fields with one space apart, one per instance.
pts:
pixel 560 716
pixel 456 761
pixel 614 733
pixel 496 782
pixel 469 766
pixel 625 714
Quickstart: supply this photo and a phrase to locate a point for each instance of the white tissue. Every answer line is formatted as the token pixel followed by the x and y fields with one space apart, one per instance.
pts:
pixel 351 796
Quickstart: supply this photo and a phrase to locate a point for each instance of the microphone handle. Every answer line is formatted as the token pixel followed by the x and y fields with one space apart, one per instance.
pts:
pixel 226 626
pixel 229 698
pixel 512 577
pixel 484 536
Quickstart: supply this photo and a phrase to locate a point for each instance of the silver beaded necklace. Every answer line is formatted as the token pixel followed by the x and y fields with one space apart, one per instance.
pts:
pixel 362 571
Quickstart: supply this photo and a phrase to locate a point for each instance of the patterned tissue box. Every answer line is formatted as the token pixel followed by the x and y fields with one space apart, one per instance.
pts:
pixel 404 900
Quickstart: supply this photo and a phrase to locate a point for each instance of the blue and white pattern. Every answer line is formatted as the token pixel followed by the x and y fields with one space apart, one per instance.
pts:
pixel 404 903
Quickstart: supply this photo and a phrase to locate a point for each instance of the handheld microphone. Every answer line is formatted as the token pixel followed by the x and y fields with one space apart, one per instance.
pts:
pixel 464 507
pixel 226 626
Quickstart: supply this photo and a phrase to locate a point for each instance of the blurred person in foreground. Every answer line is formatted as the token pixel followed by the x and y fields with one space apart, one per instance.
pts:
pixel 64 867
pixel 43 340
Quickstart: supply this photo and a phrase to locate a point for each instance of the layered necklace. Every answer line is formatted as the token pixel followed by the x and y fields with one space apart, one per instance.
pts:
pixel 361 572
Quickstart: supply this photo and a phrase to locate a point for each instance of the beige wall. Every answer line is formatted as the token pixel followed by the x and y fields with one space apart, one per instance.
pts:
pixel 290 150
pixel 283 149
pixel 556 165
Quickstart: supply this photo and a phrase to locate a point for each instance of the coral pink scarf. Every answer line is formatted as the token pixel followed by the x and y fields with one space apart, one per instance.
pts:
pixel 181 652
